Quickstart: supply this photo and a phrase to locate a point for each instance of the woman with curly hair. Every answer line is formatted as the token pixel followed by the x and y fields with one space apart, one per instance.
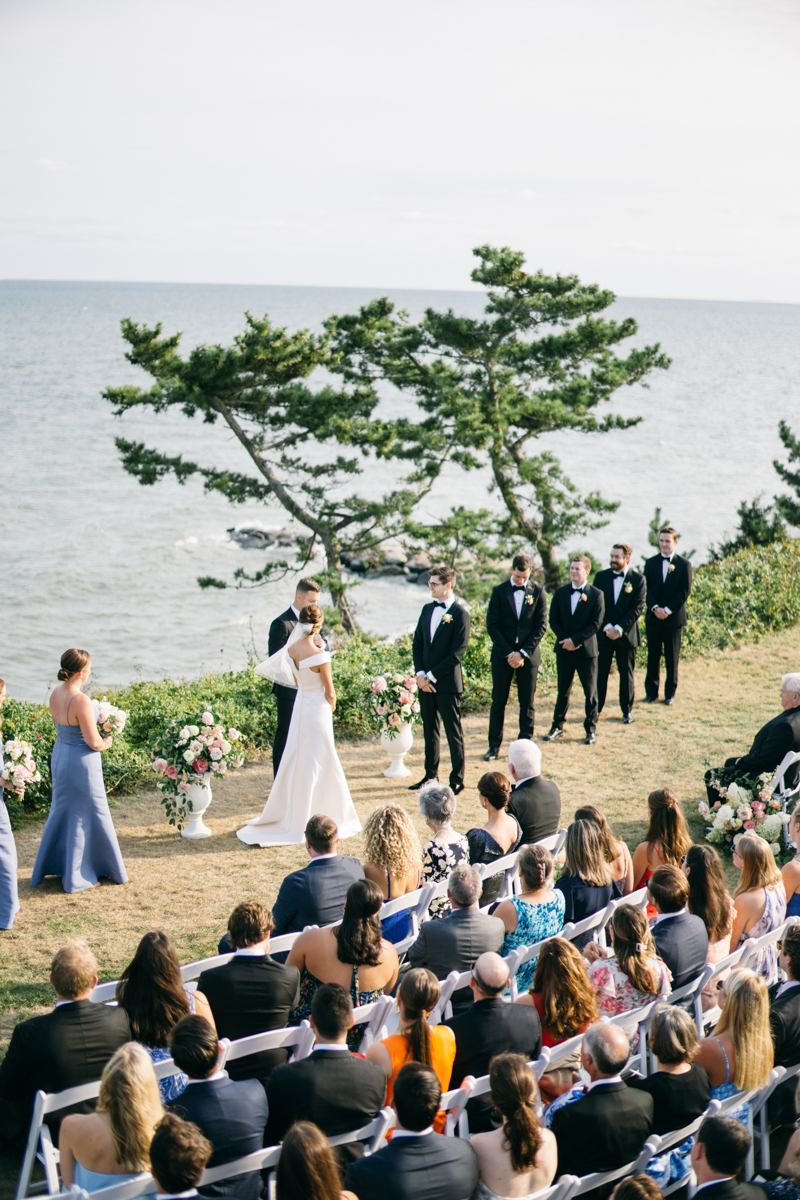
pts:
pixel 633 975
pixel 500 835
pixel 520 1157
pixel 353 954
pixel 393 861
pixel 617 854
pixel 760 901
pixel 667 838
pixel 739 1054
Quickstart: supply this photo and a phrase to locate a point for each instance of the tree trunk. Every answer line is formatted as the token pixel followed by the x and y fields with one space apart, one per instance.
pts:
pixel 336 584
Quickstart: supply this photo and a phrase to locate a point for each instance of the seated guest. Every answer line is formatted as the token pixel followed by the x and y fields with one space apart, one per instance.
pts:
pixel 307 1168
pixel 152 992
pixel 534 801
pixel 488 1027
pixel 615 851
pixel 454 943
pixel 680 939
pixel 112 1144
pixel 790 871
pixel 784 1026
pixel 738 1056
pixel 667 838
pixel 631 975
pixel 415 1040
pixel 519 1158
pixel 536 913
pixel 603 1126
pixel 567 1005
pixel 332 1087
pixel 62 1048
pixel 586 880
pixel 314 895
pixel 393 861
pixel 711 901
pixel 446 849
pixel 354 955
pixel 786 1184
pixel 770 745
pixel 636 1187
pixel 760 902
pixel 178 1157
pixel 252 993
pixel 231 1113
pixel 718 1155
pixel 417 1164
pixel 680 1088
pixel 501 834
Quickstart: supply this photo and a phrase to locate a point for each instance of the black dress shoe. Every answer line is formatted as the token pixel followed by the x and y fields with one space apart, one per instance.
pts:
pixel 457 789
pixel 414 787
pixel 589 740
pixel 670 701
pixel 627 719
pixel 648 699
pixel 554 733
pixel 490 754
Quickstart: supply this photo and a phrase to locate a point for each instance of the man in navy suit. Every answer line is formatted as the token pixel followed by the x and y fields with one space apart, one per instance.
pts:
pixel 669 581
pixel 718 1155
pixel 418 1164
pixel 440 640
pixel 576 614
pixel 681 939
pixel 624 593
pixel 230 1113
pixel 308 592
pixel 516 621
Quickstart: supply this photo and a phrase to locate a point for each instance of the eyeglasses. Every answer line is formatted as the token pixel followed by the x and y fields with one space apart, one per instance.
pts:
pixel 778 944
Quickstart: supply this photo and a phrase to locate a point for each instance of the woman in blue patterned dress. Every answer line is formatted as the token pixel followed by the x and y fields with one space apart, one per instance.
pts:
pixel 446 849
pixel 739 1055
pixel 537 913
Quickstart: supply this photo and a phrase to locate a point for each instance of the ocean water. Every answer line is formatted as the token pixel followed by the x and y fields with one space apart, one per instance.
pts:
pixel 90 558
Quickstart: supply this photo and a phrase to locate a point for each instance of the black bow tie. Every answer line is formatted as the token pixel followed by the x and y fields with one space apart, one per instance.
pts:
pixel 580 589
pixel 517 589
pixel 617 575
pixel 439 604
pixel 666 557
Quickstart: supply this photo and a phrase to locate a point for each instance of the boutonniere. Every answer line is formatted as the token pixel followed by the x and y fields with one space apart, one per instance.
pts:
pixel 584 597
pixel 446 619
pixel 670 568
pixel 628 588
pixel 529 599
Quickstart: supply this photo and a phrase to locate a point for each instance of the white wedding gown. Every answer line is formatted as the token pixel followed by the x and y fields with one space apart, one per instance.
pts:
pixel 310 779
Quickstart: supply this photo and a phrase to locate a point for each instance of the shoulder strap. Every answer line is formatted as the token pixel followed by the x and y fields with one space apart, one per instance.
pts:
pixel 69 706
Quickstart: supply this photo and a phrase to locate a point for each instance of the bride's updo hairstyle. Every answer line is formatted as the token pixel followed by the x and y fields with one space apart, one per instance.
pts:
pixel 359 935
pixel 312 615
pixel 72 661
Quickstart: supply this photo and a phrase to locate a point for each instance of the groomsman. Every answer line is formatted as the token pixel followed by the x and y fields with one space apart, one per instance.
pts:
pixel 516 621
pixel 669 581
pixel 440 640
pixel 308 592
pixel 576 614
pixel 624 592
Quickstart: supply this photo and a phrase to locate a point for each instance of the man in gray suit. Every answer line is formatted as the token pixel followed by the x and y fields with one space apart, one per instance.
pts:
pixel 455 942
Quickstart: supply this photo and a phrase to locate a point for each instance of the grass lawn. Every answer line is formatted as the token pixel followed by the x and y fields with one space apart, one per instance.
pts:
pixel 189 888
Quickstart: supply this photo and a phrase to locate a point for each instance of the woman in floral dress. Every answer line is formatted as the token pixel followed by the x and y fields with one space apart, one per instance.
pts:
pixel 446 849
pixel 760 901
pixel 536 914
pixel 633 976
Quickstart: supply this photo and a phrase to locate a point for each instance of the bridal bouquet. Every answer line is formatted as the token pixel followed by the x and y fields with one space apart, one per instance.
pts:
pixel 110 719
pixel 21 770
pixel 745 805
pixel 192 753
pixel 392 702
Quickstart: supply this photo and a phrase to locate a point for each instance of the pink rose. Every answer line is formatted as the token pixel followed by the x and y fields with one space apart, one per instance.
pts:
pixel 216 753
pixel 172 772
pixel 200 765
pixel 183 786
pixel 160 765
pixel 207 718
pixel 749 824
pixel 379 684
pixel 409 683
pixel 394 719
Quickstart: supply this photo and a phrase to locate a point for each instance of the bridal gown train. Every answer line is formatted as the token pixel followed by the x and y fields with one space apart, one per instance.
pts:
pixel 310 779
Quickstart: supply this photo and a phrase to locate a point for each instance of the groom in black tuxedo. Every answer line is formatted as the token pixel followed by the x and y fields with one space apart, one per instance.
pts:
pixel 669 581
pixel 576 614
pixel 440 640
pixel 624 592
pixel 308 592
pixel 516 621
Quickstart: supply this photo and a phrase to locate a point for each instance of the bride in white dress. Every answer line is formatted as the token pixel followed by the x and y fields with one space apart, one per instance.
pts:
pixel 310 778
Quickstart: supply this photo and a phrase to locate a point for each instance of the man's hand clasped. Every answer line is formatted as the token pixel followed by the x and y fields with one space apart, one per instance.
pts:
pixel 423 683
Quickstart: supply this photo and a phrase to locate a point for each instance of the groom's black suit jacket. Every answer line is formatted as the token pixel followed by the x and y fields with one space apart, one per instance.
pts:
pixel 629 607
pixel 671 592
pixel 582 625
pixel 509 632
pixel 442 656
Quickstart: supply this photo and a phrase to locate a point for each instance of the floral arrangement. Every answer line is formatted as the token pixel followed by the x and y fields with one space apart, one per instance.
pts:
pixel 392 701
pixel 110 719
pixel 21 770
pixel 192 753
pixel 745 805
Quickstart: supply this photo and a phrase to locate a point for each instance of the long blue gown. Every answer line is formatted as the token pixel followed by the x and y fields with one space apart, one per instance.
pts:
pixel 9 900
pixel 79 842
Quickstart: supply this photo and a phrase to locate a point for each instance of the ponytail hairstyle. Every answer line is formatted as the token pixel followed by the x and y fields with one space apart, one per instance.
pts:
pixel 633 946
pixel 514 1094
pixel 358 938
pixel 419 991
pixel 668 826
pixel 72 661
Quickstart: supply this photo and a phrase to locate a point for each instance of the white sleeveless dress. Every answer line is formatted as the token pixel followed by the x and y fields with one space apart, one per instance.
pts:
pixel 310 779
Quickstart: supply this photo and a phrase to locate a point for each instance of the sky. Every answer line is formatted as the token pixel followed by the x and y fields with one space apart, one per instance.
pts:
pixel 650 146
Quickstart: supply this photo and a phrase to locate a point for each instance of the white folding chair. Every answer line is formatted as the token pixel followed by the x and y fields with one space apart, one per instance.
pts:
pixel 595 921
pixel 554 1054
pixel 371 1134
pixel 298 1038
pixel 563 1190
pixel 778 782
pixel 779 1076
pixel 453 1104
pixel 414 903
pixel 753 945
pixel 599 1179
pixel 507 867
pixel 526 953
pixel 373 1017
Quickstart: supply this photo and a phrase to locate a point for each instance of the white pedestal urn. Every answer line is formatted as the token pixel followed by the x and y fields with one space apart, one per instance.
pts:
pixel 397 748
pixel 200 796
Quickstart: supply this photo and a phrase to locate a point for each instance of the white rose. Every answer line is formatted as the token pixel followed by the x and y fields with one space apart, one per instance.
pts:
pixel 702 808
pixel 216 754
pixel 184 735
pixel 196 746
pixel 744 812
pixel 189 756
pixel 207 718
pixel 221 767
pixel 194 730
pixel 226 749
pixel 775 846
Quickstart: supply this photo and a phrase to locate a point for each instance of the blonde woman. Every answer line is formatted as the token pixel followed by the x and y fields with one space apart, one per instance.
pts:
pixel 760 902
pixel 739 1055
pixel 586 880
pixel 633 975
pixel 618 856
pixel 112 1144
pixel 393 857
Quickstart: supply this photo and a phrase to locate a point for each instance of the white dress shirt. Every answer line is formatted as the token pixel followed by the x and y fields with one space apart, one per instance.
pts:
pixel 575 599
pixel 519 597
pixel 250 952
pixel 396 1133
pixel 597 1082
pixel 617 593
pixel 436 620
pixel 666 563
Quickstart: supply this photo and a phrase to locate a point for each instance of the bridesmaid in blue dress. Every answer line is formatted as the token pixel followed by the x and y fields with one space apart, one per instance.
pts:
pixel 9 900
pixel 79 842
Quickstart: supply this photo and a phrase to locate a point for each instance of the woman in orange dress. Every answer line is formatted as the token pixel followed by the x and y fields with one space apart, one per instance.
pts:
pixel 415 1040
